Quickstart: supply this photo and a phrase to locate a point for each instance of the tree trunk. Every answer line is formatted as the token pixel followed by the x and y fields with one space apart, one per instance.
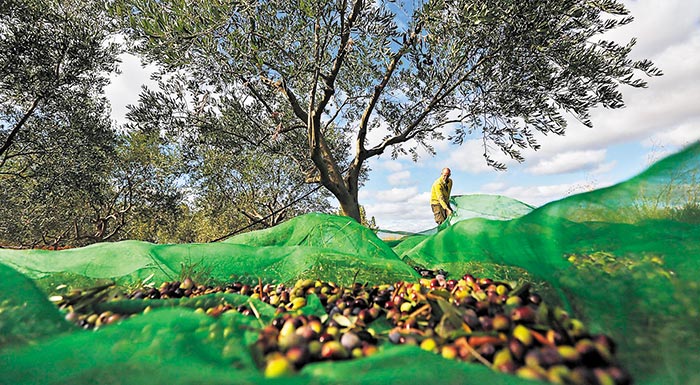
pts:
pixel 331 177
pixel 350 207
pixel 343 189
pixel 350 204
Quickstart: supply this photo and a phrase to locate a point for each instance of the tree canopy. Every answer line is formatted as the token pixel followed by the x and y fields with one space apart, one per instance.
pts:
pixel 408 72
pixel 55 57
pixel 237 179
pixel 56 139
pixel 68 175
pixel 176 173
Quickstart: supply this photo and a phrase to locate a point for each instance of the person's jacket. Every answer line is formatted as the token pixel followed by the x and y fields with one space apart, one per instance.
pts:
pixel 440 193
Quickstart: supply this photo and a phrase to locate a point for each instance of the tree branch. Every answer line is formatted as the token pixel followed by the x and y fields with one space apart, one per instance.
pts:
pixel 343 49
pixel 281 86
pixel 378 90
pixel 443 91
pixel 15 130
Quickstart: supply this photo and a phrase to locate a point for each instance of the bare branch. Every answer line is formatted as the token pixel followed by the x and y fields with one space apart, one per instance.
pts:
pixel 445 89
pixel 378 90
pixel 281 86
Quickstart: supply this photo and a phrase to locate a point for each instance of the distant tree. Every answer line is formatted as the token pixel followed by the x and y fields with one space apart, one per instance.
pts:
pixel 256 188
pixel 499 70
pixel 54 53
pixel 56 139
pixel 152 176
pixel 61 191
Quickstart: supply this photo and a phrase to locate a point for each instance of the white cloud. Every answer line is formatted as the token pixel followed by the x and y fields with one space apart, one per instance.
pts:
pixel 532 195
pixel 375 135
pixel 666 143
pixel 391 165
pixel 397 178
pixel 679 136
pixel 400 217
pixel 668 34
pixel 604 168
pixel 401 209
pixel 662 117
pixel 362 195
pixel 568 162
pixel 669 102
pixel 493 186
pixel 469 158
pixel 422 198
pixel 657 24
pixel 124 88
pixel 396 194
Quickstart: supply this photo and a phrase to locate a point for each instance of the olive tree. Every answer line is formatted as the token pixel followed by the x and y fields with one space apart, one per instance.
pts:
pixel 68 176
pixel 407 72
pixel 64 192
pixel 149 173
pixel 237 177
pixel 56 138
pixel 53 52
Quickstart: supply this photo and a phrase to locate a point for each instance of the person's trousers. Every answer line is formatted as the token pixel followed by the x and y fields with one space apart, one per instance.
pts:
pixel 439 213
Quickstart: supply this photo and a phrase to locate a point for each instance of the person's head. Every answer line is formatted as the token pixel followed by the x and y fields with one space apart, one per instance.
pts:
pixel 445 174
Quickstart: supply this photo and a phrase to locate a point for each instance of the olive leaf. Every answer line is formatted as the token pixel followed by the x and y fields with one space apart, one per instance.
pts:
pixel 450 316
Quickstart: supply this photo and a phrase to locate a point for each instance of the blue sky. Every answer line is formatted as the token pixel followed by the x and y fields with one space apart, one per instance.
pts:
pixel 656 121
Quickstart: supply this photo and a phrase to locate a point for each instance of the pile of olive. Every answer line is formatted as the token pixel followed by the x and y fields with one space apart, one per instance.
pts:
pixel 509 329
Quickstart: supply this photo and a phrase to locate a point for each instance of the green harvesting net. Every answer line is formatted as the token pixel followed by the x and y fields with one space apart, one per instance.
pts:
pixel 484 206
pixel 596 288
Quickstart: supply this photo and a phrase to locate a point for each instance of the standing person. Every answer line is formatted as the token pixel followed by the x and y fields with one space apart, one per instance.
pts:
pixel 440 196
